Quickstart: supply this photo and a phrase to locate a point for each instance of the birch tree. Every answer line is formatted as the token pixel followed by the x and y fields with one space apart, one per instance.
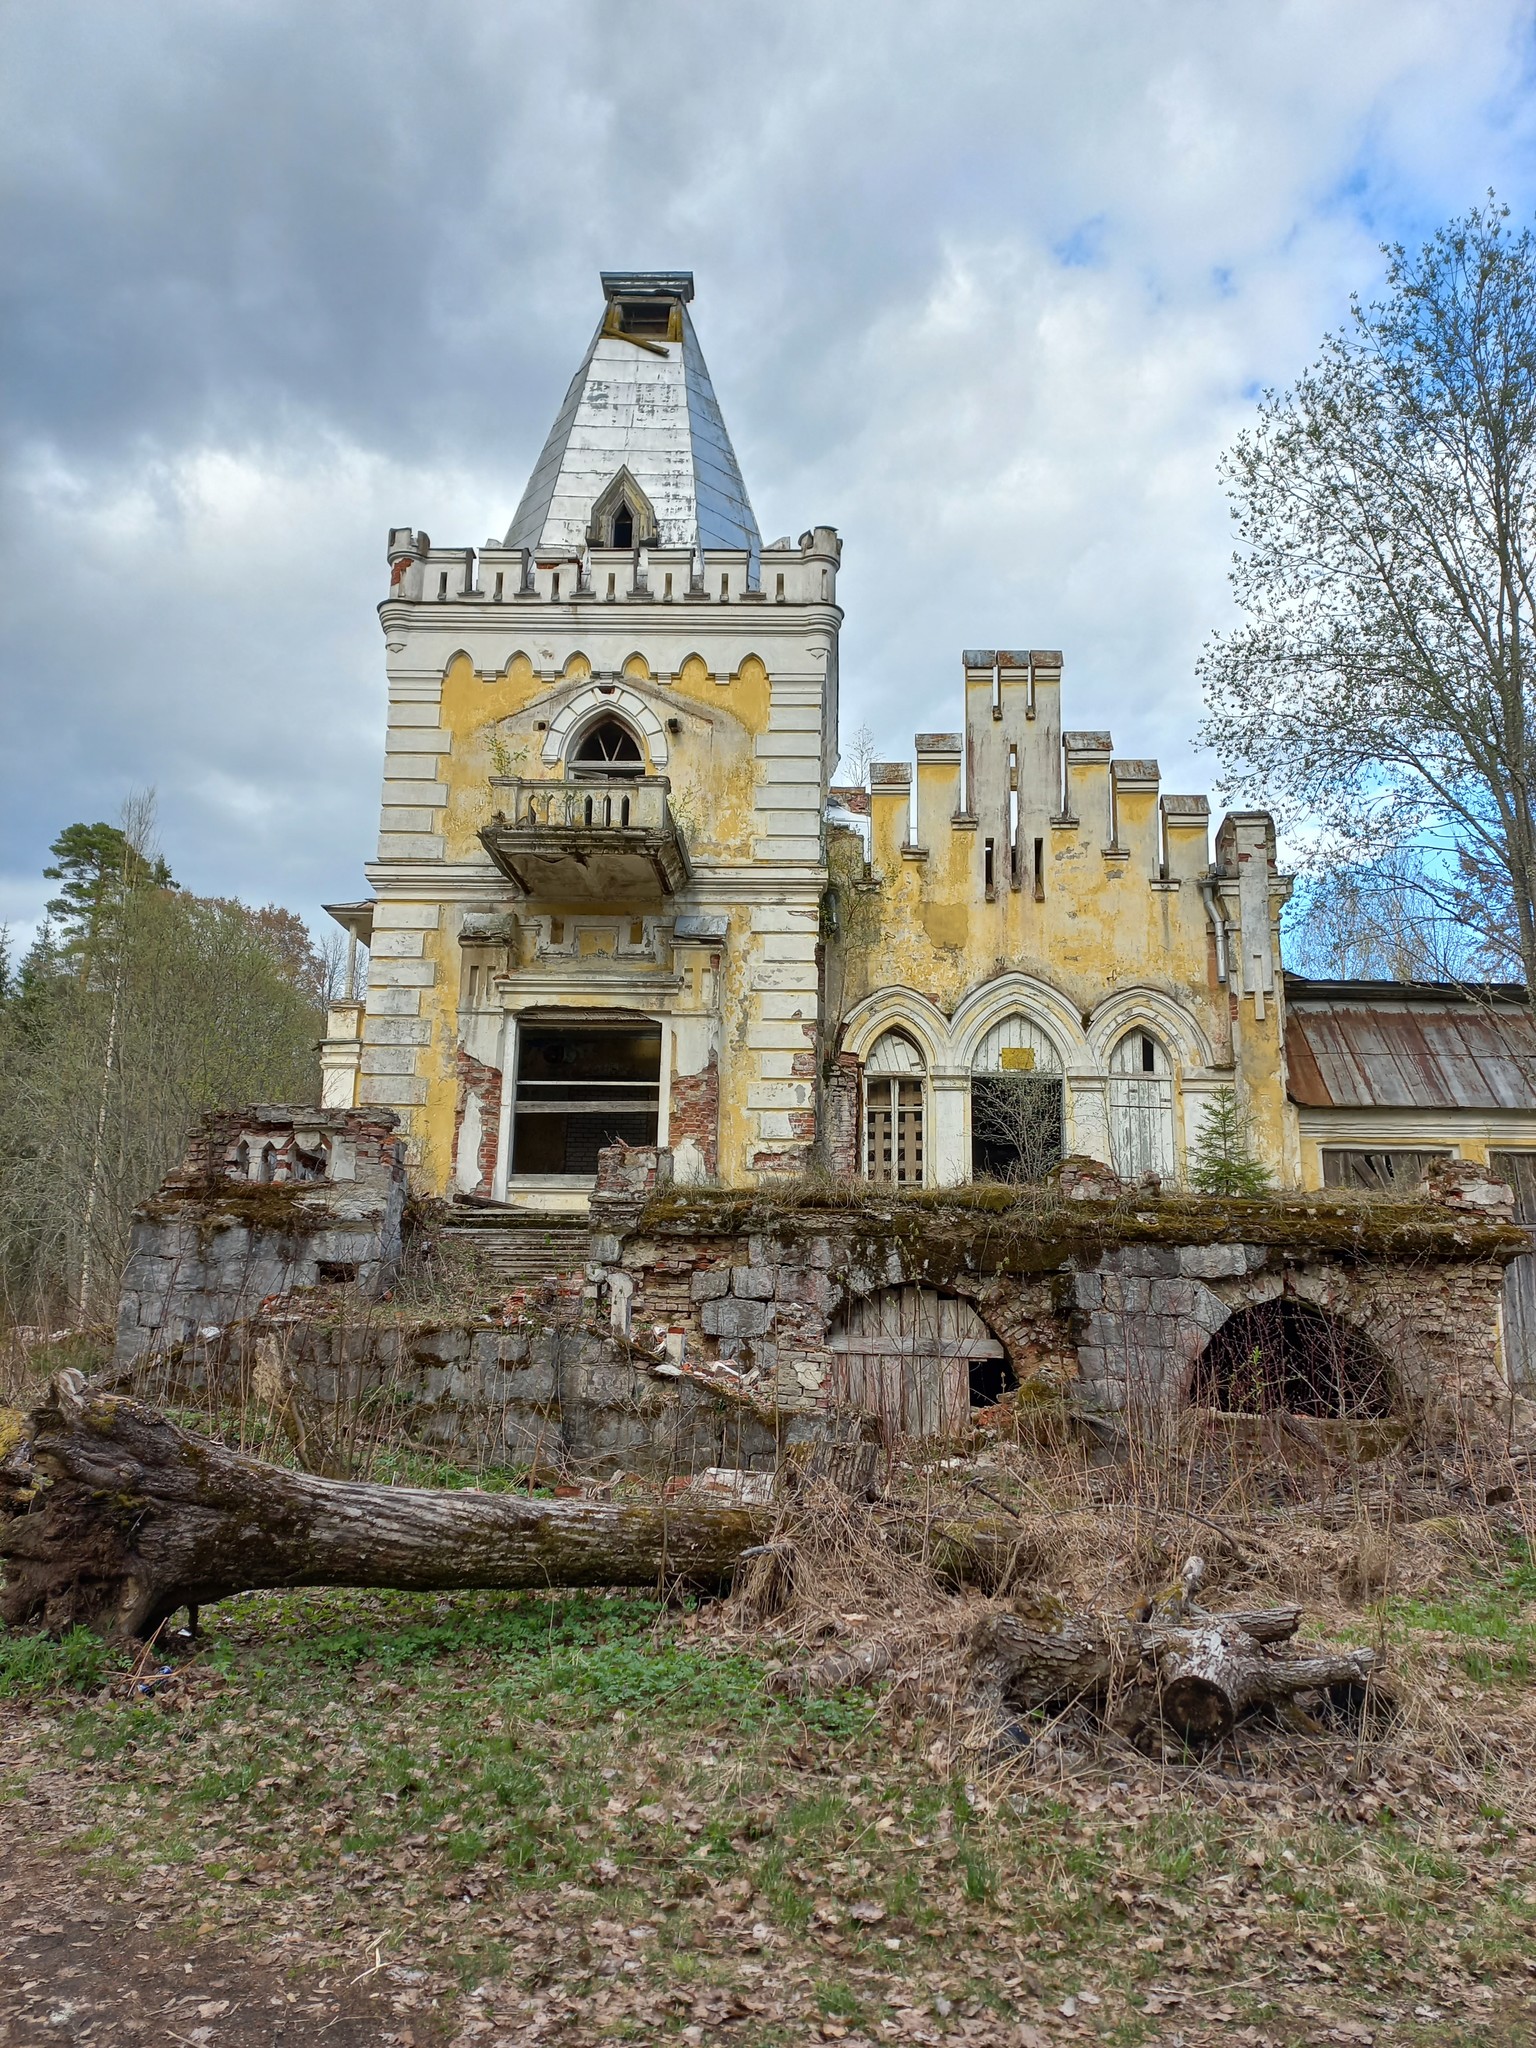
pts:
pixel 1378 689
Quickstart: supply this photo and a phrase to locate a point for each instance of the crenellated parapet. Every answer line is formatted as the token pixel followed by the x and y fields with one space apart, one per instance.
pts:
pixel 1027 799
pixel 802 572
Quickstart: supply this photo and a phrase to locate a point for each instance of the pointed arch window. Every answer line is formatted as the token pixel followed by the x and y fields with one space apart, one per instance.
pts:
pixel 622 515
pixel 893 1111
pixel 1141 1106
pixel 608 750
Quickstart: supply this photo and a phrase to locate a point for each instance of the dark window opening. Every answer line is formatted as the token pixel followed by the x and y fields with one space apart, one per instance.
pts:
pixel 581 1087
pixel 1519 1170
pixel 243 1160
pixel 986 870
pixel 648 316
pixel 268 1168
pixel 1039 870
pixel 609 749
pixel 1148 1054
pixel 624 527
pixel 1290 1356
pixel 991 1378
pixel 1017 1125
pixel 310 1165
pixel 1382 1173
pixel 337 1272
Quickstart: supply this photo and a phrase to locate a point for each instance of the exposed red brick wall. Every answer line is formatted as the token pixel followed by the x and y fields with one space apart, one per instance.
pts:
pixel 850 799
pixel 844 1152
pixel 476 1078
pixel 213 1139
pixel 695 1113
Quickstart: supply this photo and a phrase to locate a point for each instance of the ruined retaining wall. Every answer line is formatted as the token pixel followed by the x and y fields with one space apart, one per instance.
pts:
pixel 217 1241
pixel 1115 1299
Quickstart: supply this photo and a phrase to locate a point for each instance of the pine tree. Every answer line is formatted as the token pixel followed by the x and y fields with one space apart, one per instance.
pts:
pixel 99 867
pixel 1225 1162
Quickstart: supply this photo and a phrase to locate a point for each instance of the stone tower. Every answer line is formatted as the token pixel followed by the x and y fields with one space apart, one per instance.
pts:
pixel 601 854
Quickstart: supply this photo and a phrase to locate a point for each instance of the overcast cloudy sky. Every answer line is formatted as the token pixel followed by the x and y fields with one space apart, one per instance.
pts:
pixel 988 287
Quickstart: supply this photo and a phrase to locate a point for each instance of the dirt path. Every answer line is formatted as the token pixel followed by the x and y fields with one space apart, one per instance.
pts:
pixel 76 1967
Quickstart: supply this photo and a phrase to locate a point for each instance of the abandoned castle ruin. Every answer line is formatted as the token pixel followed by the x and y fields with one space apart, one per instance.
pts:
pixel 618 901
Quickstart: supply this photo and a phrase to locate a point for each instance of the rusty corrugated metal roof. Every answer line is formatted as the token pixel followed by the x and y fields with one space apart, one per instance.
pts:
pixel 1457 1052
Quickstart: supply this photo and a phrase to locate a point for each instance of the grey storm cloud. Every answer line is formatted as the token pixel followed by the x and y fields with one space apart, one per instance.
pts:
pixel 987 288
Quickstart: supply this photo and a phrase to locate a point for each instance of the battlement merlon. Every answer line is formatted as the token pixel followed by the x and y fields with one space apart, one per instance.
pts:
pixel 786 573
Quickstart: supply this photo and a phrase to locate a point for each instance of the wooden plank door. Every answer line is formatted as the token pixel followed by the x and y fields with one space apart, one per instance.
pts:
pixel 1519 1169
pixel 1141 1124
pixel 905 1355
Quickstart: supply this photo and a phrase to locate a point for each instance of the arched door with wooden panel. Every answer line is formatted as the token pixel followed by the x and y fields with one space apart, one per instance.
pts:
pixel 1141 1107
pixel 916 1358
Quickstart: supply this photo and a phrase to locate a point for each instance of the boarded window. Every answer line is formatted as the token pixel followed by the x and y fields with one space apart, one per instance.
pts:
pixel 918 1359
pixel 1141 1107
pixel 893 1113
pixel 1386 1172
pixel 1519 1169
pixel 895 1121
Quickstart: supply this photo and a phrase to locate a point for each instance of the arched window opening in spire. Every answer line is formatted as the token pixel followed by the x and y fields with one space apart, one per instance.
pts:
pixel 608 749
pixel 623 532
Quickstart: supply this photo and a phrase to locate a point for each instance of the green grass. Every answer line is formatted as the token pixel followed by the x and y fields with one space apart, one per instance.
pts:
pixel 40 1667
pixel 1496 1618
pixel 599 1752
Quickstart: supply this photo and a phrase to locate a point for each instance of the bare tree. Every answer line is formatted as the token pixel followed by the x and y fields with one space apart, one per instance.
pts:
pixel 1402 918
pixel 1380 684
pixel 860 751
pixel 1016 1125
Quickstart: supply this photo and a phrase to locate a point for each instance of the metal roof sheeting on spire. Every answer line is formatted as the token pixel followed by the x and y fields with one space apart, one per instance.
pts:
pixel 649 408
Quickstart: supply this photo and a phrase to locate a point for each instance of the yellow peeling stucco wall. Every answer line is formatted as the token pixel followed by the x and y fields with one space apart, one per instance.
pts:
pixel 926 924
pixel 492 719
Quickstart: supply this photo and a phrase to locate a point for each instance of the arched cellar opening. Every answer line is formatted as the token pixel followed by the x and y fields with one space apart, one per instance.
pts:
pixel 1286 1354
pixel 920 1360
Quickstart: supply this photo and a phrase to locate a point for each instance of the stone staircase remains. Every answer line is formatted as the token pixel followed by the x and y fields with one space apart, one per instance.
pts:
pixel 520 1249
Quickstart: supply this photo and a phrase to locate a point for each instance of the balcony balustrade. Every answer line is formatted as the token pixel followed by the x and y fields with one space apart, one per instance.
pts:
pixel 607 839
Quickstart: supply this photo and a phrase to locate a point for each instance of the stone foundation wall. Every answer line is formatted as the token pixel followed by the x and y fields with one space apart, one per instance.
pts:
pixel 1119 1323
pixel 548 1398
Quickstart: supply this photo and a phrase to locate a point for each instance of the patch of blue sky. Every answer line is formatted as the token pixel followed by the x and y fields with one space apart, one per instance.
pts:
pixel 1083 249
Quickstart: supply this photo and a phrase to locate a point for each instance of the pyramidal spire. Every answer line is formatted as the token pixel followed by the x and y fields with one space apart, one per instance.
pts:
pixel 639 451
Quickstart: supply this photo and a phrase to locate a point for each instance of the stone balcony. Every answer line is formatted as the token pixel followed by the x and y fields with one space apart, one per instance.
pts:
pixel 608 841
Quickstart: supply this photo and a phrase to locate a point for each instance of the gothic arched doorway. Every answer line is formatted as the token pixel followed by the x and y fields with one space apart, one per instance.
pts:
pixel 1288 1354
pixel 919 1359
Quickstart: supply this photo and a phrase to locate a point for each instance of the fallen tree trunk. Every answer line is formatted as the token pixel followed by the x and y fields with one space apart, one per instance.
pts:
pixel 112 1518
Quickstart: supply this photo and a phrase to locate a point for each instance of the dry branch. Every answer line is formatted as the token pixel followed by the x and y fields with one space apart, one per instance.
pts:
pixel 1197 1672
